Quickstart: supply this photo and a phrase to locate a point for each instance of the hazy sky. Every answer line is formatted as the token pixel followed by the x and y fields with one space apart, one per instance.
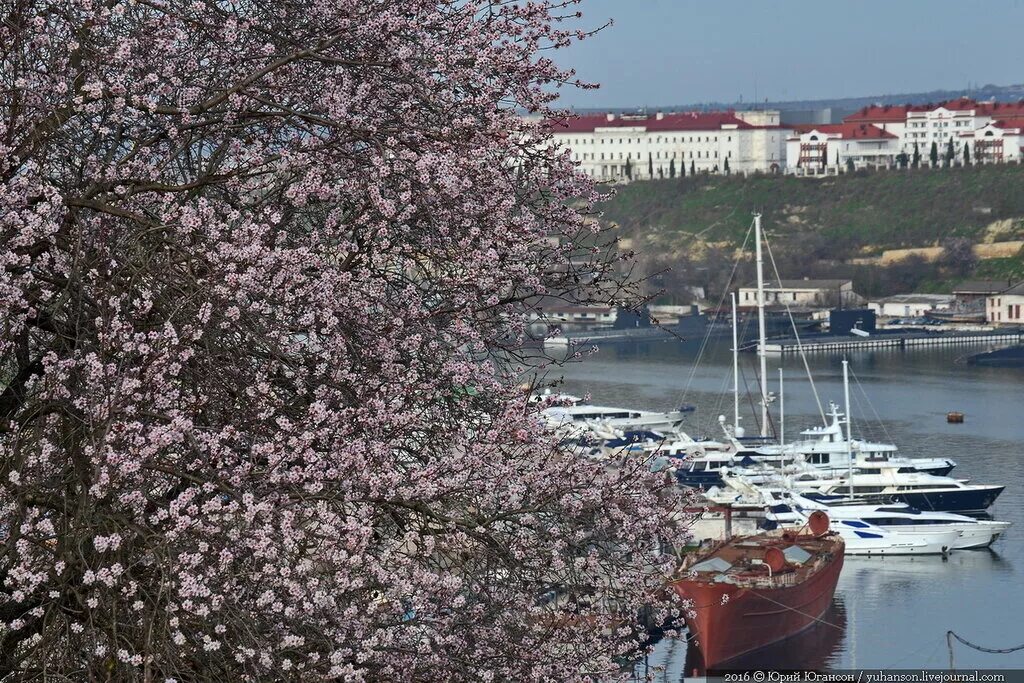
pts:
pixel 683 51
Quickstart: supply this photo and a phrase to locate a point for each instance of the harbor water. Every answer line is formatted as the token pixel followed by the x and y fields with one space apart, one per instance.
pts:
pixel 888 612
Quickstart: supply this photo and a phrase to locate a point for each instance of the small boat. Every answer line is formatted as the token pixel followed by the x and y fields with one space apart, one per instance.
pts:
pixel 752 591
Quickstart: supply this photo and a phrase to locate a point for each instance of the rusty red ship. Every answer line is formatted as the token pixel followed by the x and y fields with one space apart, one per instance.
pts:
pixel 752 591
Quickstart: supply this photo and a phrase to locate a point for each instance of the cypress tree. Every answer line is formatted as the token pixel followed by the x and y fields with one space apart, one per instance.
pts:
pixel 629 169
pixel 950 153
pixel 727 171
pixel 934 154
pixel 672 168
pixel 849 164
pixel 967 154
pixel 682 168
pixel 693 168
pixel 650 165
pixel 917 156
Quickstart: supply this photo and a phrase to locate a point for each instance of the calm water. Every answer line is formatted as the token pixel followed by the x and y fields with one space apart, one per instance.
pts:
pixel 888 612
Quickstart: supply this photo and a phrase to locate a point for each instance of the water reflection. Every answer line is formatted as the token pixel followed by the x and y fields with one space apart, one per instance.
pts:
pixel 874 571
pixel 897 610
pixel 816 648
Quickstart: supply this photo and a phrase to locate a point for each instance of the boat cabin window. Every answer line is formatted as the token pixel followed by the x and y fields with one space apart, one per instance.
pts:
pixel 896 521
pixel 869 470
pixel 859 489
pixel 605 415
pixel 817 458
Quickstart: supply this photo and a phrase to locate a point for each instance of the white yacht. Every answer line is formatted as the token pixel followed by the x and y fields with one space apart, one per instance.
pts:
pixel 890 485
pixel 609 420
pixel 822 448
pixel 904 519
pixel 863 538
pixel 827 448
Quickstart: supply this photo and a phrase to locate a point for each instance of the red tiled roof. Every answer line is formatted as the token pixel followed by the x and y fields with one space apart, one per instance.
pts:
pixel 898 112
pixel 959 104
pixel 895 112
pixel 1016 122
pixel 1003 109
pixel 848 131
pixel 712 120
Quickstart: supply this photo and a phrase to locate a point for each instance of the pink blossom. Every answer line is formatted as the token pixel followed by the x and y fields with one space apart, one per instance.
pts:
pixel 265 290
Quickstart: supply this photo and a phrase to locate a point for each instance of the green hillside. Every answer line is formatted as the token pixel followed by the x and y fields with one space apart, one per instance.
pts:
pixel 855 212
pixel 686 229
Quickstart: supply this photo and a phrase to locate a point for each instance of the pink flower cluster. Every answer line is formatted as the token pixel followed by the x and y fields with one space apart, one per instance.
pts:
pixel 264 286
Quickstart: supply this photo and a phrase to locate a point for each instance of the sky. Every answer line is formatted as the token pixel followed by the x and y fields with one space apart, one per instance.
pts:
pixel 665 52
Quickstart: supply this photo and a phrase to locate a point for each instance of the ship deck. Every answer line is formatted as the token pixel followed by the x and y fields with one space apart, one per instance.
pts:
pixel 742 560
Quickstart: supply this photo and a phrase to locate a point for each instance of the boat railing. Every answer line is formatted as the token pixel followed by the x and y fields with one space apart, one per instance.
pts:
pixel 776 581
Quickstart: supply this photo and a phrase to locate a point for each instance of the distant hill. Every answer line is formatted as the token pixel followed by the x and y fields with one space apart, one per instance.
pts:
pixel 1001 93
pixel 820 226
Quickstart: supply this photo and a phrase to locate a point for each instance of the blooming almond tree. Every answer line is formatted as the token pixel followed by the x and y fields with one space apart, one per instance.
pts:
pixel 265 272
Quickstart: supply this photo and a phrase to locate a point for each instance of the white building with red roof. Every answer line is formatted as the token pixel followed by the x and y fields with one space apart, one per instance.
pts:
pixel 960 120
pixel 814 149
pixel 641 146
pixel 996 142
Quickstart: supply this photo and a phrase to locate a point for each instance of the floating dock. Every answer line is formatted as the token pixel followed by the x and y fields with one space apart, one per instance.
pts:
pixel 895 339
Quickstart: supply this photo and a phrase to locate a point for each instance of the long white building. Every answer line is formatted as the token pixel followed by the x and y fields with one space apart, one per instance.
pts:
pixel 642 146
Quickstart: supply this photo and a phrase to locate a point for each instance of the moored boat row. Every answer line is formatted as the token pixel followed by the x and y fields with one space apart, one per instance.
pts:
pixel 818 498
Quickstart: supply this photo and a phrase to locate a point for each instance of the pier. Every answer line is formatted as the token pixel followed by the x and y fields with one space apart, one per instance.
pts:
pixel 893 340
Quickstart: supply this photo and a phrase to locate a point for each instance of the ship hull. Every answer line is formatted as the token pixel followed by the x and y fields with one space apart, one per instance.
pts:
pixel 938 470
pixel 954 500
pixel 729 621
pixel 976 499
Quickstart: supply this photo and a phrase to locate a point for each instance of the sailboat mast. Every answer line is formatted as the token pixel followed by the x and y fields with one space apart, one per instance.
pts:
pixel 849 442
pixel 735 370
pixel 782 411
pixel 761 333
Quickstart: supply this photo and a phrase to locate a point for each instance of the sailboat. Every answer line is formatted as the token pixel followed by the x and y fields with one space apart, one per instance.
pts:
pixel 825 448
